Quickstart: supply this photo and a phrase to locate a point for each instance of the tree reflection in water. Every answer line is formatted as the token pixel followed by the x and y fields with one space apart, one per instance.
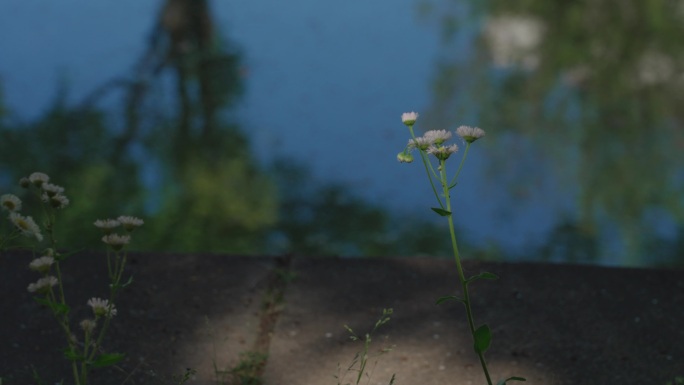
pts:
pixel 598 86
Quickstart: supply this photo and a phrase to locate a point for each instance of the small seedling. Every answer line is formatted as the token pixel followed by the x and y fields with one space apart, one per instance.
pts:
pixel 360 360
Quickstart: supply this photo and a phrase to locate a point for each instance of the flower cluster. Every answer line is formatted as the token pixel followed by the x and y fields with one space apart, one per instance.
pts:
pixel 48 288
pixel 43 265
pixel 114 240
pixel 51 194
pixel 433 141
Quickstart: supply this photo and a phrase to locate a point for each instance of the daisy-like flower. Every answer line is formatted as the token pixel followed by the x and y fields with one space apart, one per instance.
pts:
pixel 25 182
pixel 405 157
pixel 437 137
pixel 58 201
pixel 10 202
pixel 442 152
pixel 107 225
pixel 116 241
pixel 88 325
pixel 42 264
pixel 38 178
pixel 43 285
pixel 27 225
pixel 130 223
pixel 51 189
pixel 102 307
pixel 470 134
pixel 409 118
pixel 420 142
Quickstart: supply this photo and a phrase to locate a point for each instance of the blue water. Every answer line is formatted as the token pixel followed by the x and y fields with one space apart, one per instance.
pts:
pixel 326 84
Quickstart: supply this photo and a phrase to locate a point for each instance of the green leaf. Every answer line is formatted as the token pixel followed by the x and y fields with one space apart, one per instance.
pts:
pixel 124 285
pixel 72 355
pixel 449 298
pixel 58 308
pixel 503 382
pixel 483 337
pixel 483 275
pixel 62 257
pixel 107 360
pixel 441 212
pixel 130 281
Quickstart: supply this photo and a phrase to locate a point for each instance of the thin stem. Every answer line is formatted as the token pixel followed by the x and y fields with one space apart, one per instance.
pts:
pixel 459 267
pixel 465 154
pixel 423 157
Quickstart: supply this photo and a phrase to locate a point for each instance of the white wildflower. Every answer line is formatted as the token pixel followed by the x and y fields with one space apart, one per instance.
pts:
pixel 409 118
pixel 43 285
pixel 10 202
pixel 421 143
pixel 42 264
pixel 470 134
pixel 442 152
pixel 27 225
pixel 38 178
pixel 52 189
pixel 437 137
pixel 107 225
pixel 102 307
pixel 88 325
pixel 59 201
pixel 116 241
pixel 130 223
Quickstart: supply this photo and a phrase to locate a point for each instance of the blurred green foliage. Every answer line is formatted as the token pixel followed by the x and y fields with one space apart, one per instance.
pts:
pixel 208 196
pixel 596 86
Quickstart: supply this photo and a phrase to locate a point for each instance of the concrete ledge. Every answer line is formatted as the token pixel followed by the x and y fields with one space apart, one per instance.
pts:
pixel 554 324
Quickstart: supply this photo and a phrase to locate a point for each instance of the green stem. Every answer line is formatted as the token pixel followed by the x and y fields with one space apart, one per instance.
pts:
pixel 423 157
pixel 459 266
pixel 465 154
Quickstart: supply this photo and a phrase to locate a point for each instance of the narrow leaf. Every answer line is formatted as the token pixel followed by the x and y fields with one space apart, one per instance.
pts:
pixel 483 337
pixel 107 360
pixel 441 212
pixel 483 275
pixel 503 382
pixel 62 257
pixel 448 298
pixel 72 355
pixel 124 285
pixel 488 275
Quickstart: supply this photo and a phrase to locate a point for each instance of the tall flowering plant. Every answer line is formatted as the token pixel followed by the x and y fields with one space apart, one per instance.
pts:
pixel 84 352
pixel 434 152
